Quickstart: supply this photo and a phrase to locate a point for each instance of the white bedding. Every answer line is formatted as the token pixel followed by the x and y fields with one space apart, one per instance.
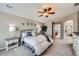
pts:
pixel 39 43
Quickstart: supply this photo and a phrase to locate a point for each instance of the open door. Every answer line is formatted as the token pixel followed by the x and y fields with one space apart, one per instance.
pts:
pixel 56 31
pixel 68 29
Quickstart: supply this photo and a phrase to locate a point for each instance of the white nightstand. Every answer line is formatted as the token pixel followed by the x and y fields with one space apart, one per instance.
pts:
pixel 11 43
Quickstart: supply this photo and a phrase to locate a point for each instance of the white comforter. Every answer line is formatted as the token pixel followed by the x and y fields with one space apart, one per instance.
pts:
pixel 39 43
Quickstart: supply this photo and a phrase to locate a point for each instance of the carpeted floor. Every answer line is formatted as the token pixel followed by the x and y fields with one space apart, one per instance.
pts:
pixel 59 48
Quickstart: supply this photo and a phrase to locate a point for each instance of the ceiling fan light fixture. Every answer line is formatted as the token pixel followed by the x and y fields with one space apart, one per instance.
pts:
pixel 45 14
pixel 46 11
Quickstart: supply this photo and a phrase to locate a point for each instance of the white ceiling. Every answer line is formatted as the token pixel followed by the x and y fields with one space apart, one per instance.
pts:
pixel 29 10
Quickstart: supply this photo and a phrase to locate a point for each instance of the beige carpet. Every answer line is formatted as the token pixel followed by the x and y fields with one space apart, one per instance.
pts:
pixel 59 48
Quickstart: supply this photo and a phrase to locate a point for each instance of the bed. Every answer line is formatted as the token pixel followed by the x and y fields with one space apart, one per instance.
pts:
pixel 38 44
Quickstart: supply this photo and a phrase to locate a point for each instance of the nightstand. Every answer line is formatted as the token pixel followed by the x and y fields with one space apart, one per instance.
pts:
pixel 11 43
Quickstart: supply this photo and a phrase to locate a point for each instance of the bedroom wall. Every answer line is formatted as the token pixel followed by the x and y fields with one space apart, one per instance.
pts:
pixel 49 28
pixel 69 17
pixel 7 19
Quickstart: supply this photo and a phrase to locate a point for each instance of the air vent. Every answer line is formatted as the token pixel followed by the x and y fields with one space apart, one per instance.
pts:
pixel 9 6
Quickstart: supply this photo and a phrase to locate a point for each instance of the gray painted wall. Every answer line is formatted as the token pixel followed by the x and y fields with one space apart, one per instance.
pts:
pixel 69 17
pixel 49 28
pixel 6 19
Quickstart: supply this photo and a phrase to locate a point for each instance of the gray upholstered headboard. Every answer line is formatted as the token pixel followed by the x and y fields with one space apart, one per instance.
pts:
pixel 22 31
pixel 26 30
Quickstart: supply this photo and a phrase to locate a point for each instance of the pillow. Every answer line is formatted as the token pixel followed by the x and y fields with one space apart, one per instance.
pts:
pixel 29 34
pixel 34 33
pixel 24 34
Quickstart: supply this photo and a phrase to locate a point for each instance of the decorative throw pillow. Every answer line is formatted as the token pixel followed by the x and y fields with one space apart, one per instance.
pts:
pixel 29 34
pixel 24 34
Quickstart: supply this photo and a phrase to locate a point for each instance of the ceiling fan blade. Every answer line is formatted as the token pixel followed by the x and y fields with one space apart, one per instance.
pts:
pixel 49 8
pixel 40 12
pixel 46 16
pixel 51 12
pixel 40 15
pixel 45 10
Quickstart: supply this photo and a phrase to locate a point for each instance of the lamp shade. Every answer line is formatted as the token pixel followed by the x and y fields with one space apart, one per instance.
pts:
pixel 38 26
pixel 12 28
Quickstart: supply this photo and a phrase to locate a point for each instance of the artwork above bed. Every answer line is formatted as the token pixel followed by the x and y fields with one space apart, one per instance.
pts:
pixel 24 30
pixel 28 23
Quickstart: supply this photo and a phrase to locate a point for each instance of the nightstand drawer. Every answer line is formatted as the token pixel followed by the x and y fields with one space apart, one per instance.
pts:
pixel 12 41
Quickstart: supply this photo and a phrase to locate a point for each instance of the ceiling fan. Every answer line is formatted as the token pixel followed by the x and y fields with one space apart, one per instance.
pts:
pixel 46 11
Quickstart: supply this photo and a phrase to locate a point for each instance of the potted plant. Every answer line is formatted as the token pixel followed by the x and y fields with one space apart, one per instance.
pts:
pixel 44 28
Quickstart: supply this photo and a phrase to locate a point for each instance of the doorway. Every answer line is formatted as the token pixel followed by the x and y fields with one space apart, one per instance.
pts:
pixel 68 29
pixel 56 31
